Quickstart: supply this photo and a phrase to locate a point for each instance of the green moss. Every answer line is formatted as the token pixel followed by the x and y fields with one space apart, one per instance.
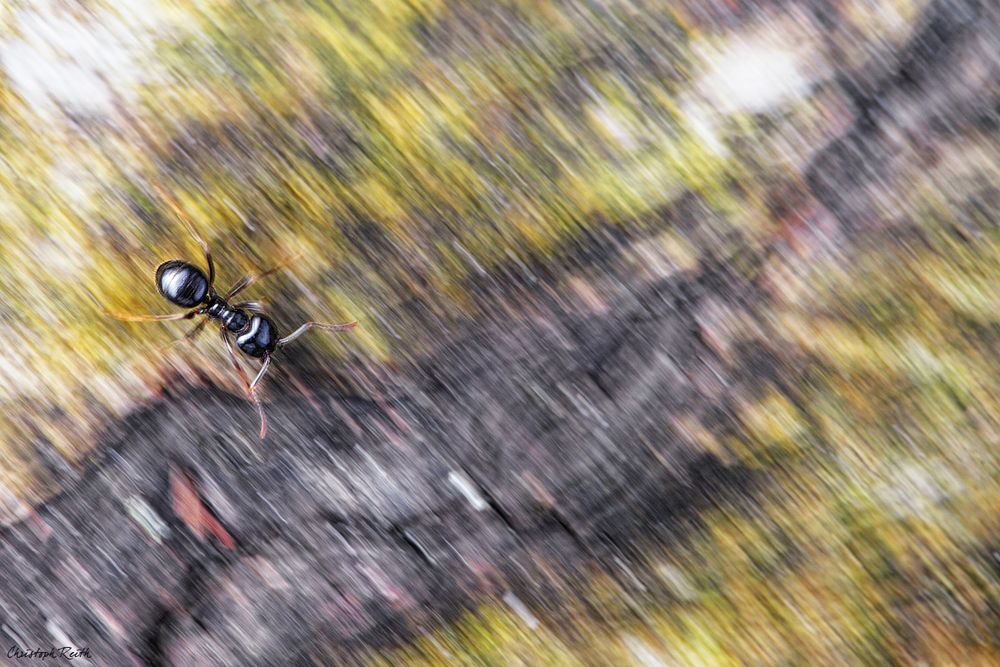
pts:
pixel 402 151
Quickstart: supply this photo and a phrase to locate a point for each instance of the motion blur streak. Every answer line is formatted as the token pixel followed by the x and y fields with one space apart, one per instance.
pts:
pixel 677 343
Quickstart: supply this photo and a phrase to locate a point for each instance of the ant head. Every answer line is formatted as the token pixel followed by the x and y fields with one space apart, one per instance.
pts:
pixel 181 283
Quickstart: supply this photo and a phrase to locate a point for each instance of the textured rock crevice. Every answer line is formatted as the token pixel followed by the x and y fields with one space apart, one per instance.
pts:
pixel 550 437
pixel 362 517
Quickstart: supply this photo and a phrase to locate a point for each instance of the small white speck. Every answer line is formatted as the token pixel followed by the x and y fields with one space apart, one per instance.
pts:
pixel 642 652
pixel 144 515
pixel 521 610
pixel 678 582
pixel 702 124
pixel 60 637
pixel 467 489
pixel 468 257
pixel 616 124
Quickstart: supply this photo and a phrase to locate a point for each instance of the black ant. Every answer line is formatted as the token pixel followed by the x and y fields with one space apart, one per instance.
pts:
pixel 186 285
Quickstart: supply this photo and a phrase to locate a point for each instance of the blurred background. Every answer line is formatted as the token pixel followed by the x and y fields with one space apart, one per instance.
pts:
pixel 677 342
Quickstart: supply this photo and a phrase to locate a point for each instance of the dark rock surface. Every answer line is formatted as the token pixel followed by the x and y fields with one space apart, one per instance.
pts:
pixel 544 434
pixel 545 440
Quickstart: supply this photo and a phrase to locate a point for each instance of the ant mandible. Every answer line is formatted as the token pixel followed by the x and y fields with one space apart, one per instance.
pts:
pixel 185 285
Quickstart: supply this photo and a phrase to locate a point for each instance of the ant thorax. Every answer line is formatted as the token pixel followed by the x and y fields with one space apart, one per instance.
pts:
pixel 233 319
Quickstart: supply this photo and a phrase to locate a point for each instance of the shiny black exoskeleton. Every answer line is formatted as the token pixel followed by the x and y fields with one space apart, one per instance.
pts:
pixel 185 285
pixel 181 283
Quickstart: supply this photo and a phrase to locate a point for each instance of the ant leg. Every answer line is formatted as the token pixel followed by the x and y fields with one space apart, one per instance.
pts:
pixel 132 317
pixel 208 254
pixel 248 280
pixel 251 394
pixel 190 226
pixel 192 334
pixel 255 306
pixel 260 373
pixel 319 325
pixel 128 317
pixel 208 259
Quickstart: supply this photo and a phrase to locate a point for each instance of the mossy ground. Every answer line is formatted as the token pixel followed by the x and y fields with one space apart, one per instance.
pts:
pixel 400 147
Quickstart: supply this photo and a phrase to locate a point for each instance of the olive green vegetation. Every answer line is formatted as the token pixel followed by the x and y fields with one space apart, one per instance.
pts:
pixel 875 539
pixel 449 148
pixel 397 147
